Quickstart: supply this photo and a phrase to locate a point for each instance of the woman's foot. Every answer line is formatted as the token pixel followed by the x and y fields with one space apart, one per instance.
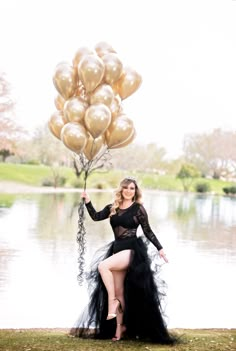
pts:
pixel 120 330
pixel 114 306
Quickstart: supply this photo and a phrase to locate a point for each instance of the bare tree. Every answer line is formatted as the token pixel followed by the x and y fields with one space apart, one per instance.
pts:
pixel 139 157
pixel 47 149
pixel 213 153
pixel 10 131
pixel 6 101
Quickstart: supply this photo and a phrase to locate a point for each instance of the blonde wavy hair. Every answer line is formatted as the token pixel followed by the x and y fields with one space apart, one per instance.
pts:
pixel 118 194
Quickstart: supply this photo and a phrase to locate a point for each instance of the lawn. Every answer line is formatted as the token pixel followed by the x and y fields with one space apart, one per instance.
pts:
pixel 59 340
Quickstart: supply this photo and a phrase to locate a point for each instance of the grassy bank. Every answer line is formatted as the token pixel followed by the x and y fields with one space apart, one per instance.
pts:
pixel 30 174
pixel 58 340
pixel 37 174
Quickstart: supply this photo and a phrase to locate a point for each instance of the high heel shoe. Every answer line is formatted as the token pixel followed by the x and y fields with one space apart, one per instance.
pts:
pixel 117 309
pixel 122 331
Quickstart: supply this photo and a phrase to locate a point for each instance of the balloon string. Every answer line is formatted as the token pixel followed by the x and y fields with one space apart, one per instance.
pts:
pixel 87 167
pixel 81 236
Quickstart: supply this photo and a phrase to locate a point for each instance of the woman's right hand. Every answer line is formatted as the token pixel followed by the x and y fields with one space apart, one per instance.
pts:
pixel 162 255
pixel 85 196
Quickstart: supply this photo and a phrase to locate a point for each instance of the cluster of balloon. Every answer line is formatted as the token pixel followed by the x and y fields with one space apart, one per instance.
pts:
pixel 89 116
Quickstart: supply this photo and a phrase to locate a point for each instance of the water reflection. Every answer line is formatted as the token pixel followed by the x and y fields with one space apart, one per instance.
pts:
pixel 38 257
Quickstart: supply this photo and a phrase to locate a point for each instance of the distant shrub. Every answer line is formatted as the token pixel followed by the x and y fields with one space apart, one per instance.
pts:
pixel 186 174
pixel 233 190
pixel 202 187
pixel 55 182
pixel 77 183
pixel 100 186
pixel 226 190
pixel 229 190
pixel 33 162
pixel 47 182
pixel 61 181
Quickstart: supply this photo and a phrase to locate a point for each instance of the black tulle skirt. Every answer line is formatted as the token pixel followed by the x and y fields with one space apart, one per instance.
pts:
pixel 144 292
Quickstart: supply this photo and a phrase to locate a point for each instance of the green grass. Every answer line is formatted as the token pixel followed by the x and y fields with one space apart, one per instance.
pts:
pixel 161 182
pixel 102 179
pixel 7 200
pixel 59 340
pixel 30 174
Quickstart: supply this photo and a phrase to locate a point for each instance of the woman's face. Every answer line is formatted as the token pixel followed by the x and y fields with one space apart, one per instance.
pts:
pixel 128 191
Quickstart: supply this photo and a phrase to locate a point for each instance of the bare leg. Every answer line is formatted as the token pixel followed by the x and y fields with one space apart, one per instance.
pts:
pixel 119 277
pixel 115 263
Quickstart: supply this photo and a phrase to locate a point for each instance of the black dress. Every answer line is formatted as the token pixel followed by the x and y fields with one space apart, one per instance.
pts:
pixel 143 315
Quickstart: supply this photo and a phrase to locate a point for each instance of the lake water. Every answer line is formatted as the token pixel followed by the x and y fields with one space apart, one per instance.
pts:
pixel 38 257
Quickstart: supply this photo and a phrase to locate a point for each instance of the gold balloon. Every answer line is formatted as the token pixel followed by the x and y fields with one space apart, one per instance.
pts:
pixel 127 141
pixel 59 102
pixel 80 53
pixel 97 119
pixel 74 109
pixel 113 68
pixel 91 70
pixel 74 136
pixel 56 123
pixel 102 94
pixel 115 107
pixel 65 79
pixel 81 92
pixel 93 147
pixel 128 83
pixel 103 48
pixel 119 131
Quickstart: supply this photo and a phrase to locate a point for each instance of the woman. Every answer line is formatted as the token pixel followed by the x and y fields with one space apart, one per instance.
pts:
pixel 125 298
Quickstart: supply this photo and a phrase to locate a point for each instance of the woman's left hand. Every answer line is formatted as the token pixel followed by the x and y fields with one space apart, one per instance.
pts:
pixel 162 255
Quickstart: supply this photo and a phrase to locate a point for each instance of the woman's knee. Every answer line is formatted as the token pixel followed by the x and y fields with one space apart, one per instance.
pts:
pixel 102 267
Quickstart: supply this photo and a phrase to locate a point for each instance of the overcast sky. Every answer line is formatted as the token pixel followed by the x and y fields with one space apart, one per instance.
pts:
pixel 185 52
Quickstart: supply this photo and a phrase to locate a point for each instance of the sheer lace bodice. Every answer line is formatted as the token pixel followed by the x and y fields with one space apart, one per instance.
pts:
pixel 126 221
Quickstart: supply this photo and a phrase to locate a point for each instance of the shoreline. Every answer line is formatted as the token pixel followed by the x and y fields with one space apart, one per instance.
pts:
pixel 10 187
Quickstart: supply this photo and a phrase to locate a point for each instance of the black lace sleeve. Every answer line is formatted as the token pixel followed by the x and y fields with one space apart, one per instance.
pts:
pixel 143 220
pixel 100 215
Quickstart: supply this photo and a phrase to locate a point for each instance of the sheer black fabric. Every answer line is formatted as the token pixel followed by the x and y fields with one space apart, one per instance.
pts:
pixel 126 221
pixel 143 288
